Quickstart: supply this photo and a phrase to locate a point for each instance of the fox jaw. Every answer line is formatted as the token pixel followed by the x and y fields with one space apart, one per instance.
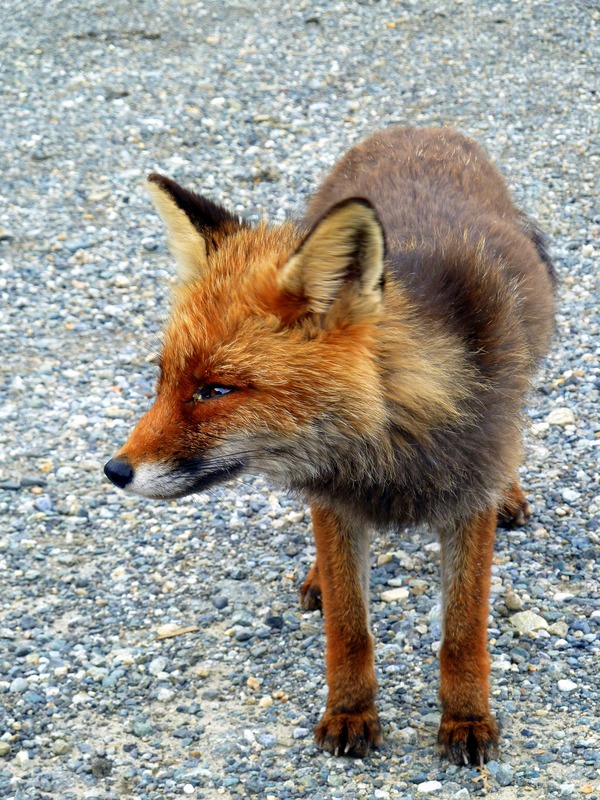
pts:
pixel 270 359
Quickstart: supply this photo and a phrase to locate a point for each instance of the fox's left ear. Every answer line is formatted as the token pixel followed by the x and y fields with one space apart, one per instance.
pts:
pixel 344 250
pixel 194 224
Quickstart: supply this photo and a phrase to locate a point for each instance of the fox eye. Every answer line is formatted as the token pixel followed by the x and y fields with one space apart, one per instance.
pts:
pixel 211 391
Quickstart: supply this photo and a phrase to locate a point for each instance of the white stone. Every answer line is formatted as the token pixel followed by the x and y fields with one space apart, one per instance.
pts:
pixel 89 465
pixel 561 416
pixel 158 665
pixel 501 664
pixel 560 597
pixel 565 685
pixel 122 656
pixel 570 495
pixel 22 759
pixel 394 595
pixel 527 622
pixel 429 787
pixel 540 427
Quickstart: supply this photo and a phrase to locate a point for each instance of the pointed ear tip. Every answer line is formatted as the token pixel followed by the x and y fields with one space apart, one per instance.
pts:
pixel 155 178
pixel 357 205
pixel 357 201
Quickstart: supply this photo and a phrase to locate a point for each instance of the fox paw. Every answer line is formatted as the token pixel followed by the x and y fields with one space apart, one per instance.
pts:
pixel 515 510
pixel 349 734
pixel 310 592
pixel 468 741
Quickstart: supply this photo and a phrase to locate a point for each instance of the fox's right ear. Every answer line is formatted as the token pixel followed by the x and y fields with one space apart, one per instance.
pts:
pixel 195 225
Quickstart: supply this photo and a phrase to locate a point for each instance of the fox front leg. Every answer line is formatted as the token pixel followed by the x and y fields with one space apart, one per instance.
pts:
pixel 350 725
pixel 468 732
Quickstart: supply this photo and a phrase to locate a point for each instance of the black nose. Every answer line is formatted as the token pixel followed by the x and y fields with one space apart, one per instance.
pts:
pixel 119 471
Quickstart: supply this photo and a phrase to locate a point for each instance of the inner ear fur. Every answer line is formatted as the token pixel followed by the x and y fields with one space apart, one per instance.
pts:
pixel 345 248
pixel 195 225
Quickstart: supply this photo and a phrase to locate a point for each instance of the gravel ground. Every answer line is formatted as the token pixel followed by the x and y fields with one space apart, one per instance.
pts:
pixel 251 103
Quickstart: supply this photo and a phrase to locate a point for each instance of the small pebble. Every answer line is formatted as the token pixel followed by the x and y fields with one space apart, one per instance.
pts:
pixel 300 733
pixel 504 775
pixel 22 759
pixel 395 595
pixel 561 417
pixel 158 665
pixel 429 787
pixel 566 685
pixel 528 622
pixel 19 685
pixel 570 495
pixel 101 767
pixel 408 735
pixel 512 601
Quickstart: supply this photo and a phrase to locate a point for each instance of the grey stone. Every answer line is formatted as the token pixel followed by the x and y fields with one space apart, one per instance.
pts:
pixel 19 685
pixel 504 774
pixel 158 665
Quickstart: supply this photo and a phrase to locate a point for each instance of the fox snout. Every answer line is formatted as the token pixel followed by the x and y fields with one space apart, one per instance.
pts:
pixel 119 471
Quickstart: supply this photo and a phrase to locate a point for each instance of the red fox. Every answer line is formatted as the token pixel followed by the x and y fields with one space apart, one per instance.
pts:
pixel 374 357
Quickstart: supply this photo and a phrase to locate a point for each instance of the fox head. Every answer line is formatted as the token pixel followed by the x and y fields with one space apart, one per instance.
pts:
pixel 270 361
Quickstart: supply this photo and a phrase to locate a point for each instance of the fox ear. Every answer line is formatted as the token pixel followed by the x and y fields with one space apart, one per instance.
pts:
pixel 194 224
pixel 345 248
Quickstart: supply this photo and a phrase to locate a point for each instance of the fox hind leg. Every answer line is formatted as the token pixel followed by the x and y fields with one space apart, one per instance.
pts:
pixel 310 591
pixel 514 510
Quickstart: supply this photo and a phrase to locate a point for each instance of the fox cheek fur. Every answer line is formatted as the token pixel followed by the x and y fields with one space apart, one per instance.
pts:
pixel 374 357
pixel 295 362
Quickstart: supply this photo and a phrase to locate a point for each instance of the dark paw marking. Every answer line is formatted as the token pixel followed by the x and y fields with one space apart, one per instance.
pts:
pixel 468 741
pixel 349 734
